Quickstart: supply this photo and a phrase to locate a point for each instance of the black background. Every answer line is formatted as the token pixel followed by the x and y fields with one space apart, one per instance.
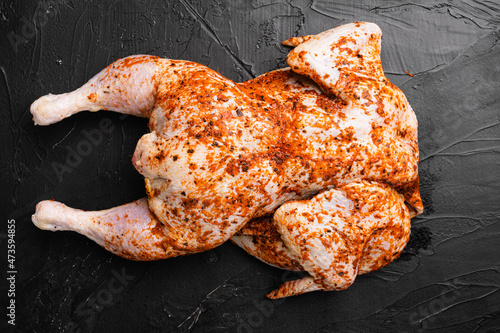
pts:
pixel 448 278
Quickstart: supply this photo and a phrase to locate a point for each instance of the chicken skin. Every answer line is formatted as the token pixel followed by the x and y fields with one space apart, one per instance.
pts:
pixel 311 167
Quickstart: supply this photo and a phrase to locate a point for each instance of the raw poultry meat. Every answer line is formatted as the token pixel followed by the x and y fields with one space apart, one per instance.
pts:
pixel 311 167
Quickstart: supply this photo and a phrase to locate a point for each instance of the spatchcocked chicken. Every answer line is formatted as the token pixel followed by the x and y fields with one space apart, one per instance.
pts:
pixel 310 168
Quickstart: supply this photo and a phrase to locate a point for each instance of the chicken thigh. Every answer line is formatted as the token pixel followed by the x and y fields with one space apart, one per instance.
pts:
pixel 311 167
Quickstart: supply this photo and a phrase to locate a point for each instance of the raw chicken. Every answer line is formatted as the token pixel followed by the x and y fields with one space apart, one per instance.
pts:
pixel 311 167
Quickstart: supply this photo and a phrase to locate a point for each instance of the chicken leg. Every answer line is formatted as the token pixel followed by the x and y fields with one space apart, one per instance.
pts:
pixel 127 86
pixel 130 231
pixel 139 85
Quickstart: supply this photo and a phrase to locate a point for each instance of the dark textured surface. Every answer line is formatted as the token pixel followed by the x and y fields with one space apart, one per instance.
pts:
pixel 448 278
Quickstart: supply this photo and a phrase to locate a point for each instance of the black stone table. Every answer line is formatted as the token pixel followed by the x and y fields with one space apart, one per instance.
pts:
pixel 444 55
